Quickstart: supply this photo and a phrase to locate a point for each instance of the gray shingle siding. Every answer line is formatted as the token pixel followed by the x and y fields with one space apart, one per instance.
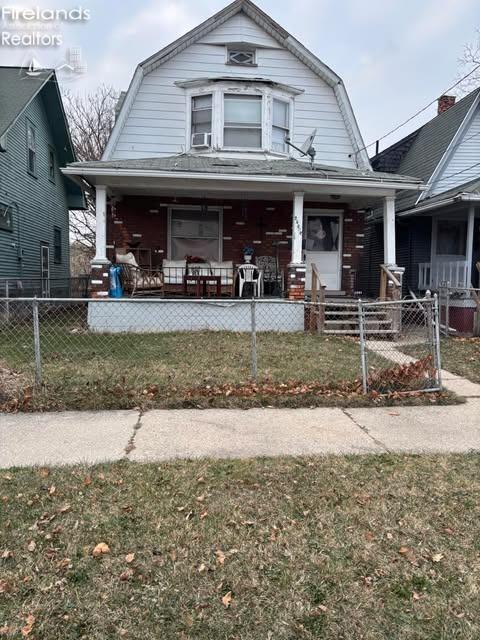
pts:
pixel 42 204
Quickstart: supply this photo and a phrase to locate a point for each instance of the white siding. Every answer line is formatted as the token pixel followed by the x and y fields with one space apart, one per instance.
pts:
pixel 156 124
pixel 465 154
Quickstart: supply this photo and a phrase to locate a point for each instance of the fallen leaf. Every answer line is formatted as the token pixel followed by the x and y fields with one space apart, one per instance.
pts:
pixel 126 575
pixel 201 498
pixel 100 549
pixel 7 554
pixel 403 550
pixel 389 536
pixel 27 629
pixel 52 489
pixel 44 472
pixel 4 631
pixel 416 596
pixel 32 545
pixel 227 599
pixel 220 556
pixel 65 508
pixel 87 481
pixel 437 557
pixel 203 515
pixel 202 568
pixel 130 557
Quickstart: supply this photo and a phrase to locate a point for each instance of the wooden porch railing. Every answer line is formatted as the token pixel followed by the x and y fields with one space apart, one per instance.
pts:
pixel 431 276
pixel 386 276
pixel 317 312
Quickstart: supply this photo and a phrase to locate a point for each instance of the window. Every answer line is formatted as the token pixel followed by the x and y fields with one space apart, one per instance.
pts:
pixel 57 245
pixel 51 164
pixel 451 237
pixel 201 120
pixel 6 220
pixel 195 233
pixel 242 121
pixel 242 57
pixel 280 125
pixel 31 149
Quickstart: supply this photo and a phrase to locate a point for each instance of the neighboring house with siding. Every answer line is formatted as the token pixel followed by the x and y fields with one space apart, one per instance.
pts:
pixel 35 197
pixel 438 230
pixel 198 163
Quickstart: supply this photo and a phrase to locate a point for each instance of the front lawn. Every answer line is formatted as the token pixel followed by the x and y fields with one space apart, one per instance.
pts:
pixel 376 547
pixel 83 370
pixel 462 356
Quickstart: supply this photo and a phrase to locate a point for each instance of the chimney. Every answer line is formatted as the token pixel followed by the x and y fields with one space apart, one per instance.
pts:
pixel 444 103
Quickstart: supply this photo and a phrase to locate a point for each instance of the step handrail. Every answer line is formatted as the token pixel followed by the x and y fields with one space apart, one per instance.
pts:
pixel 318 298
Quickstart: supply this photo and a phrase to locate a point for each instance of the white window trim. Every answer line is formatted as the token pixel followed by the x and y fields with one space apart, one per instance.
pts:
pixel 218 91
pixel 195 207
pixel 244 49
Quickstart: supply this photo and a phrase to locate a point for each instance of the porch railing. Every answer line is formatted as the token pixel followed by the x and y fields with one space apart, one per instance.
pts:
pixel 431 276
pixel 317 312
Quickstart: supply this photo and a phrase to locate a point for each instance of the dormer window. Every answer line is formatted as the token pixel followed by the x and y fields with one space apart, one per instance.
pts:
pixel 242 57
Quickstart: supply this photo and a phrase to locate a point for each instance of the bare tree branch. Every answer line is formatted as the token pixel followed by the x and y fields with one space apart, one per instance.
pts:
pixel 91 118
pixel 470 59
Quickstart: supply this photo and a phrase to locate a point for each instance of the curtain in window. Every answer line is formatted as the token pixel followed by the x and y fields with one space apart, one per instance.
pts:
pixel 194 233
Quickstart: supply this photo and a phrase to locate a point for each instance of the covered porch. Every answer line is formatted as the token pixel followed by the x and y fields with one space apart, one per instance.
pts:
pixel 300 228
pixel 455 249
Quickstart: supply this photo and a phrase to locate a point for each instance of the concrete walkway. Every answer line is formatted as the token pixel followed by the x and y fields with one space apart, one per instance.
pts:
pixel 90 437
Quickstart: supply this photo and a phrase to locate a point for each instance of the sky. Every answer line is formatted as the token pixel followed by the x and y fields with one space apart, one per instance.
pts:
pixel 394 56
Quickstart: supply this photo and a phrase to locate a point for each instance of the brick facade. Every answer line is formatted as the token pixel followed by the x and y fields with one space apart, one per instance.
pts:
pixel 266 225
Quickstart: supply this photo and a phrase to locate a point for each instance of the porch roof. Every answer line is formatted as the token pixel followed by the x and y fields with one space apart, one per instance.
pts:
pixel 248 167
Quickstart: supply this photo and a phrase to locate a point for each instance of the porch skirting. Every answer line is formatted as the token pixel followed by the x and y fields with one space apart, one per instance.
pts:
pixel 159 316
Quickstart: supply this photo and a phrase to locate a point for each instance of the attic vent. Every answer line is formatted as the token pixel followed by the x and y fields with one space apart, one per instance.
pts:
pixel 241 57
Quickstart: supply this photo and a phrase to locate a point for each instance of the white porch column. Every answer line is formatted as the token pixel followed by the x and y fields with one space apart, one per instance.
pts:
pixel 297 228
pixel 469 251
pixel 389 257
pixel 101 225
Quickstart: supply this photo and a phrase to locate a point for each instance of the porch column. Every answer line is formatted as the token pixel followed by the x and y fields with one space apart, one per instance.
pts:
pixel 389 253
pixel 469 252
pixel 99 280
pixel 296 269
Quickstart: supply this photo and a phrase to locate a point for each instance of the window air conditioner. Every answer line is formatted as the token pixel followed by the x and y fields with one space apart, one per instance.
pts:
pixel 201 140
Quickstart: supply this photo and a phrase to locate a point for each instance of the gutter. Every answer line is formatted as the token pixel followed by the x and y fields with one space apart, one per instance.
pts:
pixel 460 197
pixel 142 173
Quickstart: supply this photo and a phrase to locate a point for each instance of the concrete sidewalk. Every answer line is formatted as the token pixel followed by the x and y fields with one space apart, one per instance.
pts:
pixel 75 437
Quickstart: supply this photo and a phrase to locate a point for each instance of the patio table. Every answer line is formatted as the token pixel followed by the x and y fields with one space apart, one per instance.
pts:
pixel 201 282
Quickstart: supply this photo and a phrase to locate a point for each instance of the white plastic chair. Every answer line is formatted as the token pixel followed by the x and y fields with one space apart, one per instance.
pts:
pixel 251 274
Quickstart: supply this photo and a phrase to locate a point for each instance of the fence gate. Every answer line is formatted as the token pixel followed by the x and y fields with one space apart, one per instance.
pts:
pixel 406 358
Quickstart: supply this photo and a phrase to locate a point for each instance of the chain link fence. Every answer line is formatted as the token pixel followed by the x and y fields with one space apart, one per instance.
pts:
pixel 404 357
pixel 123 350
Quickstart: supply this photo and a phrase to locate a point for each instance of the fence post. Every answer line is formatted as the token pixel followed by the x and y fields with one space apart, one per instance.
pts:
pixel 438 360
pixel 428 297
pixel 7 303
pixel 254 338
pixel 36 343
pixel 363 351
pixel 447 310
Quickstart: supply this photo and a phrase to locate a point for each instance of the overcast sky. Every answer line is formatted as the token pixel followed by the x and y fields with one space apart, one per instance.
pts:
pixel 393 55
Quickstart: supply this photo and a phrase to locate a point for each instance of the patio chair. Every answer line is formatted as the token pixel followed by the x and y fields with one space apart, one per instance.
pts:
pixel 252 275
pixel 271 275
pixel 135 279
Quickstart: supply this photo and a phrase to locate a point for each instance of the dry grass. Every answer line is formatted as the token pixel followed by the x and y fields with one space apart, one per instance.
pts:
pixel 83 370
pixel 462 356
pixel 367 547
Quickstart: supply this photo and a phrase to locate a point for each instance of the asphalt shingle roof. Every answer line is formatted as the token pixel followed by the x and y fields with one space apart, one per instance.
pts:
pixel 241 166
pixel 419 153
pixel 16 91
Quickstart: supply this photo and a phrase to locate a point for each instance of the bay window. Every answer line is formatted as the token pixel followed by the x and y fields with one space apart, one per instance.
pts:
pixel 242 121
pixel 280 125
pixel 201 119
pixel 194 232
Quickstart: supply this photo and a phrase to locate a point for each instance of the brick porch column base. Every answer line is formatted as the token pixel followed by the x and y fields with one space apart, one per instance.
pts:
pixel 296 281
pixel 99 280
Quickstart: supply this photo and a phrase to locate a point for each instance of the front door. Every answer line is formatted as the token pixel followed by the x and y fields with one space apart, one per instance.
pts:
pixel 45 269
pixel 322 247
